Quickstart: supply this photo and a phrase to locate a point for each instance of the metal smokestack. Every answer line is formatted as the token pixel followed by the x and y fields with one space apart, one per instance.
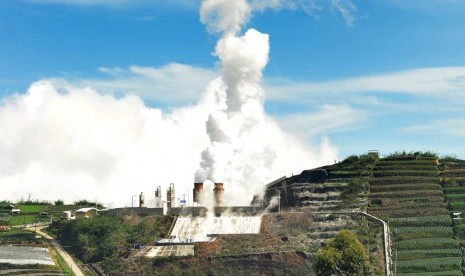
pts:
pixel 170 197
pixel 141 200
pixel 218 193
pixel 198 193
pixel 158 202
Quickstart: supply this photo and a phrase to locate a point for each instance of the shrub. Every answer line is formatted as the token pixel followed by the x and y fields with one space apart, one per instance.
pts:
pixel 59 202
pixel 85 202
pixel 344 255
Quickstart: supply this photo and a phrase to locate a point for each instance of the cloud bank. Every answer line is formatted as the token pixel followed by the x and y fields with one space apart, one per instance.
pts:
pixel 60 141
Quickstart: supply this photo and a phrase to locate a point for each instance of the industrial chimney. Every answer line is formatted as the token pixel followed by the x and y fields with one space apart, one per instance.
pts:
pixel 218 193
pixel 170 197
pixel 141 199
pixel 158 202
pixel 198 193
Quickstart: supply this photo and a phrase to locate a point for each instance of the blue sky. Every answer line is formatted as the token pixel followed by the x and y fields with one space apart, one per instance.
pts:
pixel 386 74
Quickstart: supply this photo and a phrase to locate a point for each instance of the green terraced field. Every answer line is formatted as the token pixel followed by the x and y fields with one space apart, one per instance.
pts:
pixel 440 273
pixel 409 195
pixel 31 208
pixel 427 243
pixel 430 265
pixel 401 230
pixel 425 254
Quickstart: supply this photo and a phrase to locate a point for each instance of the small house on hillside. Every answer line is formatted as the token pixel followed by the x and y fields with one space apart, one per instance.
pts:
pixel 85 213
pixel 15 212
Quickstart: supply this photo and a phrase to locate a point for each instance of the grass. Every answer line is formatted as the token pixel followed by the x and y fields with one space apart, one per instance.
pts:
pixel 31 208
pixel 25 219
pixel 62 263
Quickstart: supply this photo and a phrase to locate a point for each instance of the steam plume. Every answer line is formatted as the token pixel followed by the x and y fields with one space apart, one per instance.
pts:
pixel 246 146
pixel 59 141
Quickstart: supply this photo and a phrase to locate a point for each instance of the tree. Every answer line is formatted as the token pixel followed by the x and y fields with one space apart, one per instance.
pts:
pixel 59 202
pixel 344 255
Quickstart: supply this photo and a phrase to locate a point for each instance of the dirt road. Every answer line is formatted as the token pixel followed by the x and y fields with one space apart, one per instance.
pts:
pixel 76 270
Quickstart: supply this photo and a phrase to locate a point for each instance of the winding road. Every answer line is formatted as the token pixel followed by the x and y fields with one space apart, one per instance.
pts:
pixel 76 270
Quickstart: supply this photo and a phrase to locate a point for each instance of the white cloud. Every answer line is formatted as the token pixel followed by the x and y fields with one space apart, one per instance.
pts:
pixel 173 83
pixel 328 119
pixel 120 3
pixel 346 8
pixel 452 127
pixel 59 141
pixel 439 81
pixel 450 6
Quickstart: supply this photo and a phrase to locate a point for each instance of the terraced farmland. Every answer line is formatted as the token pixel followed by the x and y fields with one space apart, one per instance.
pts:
pixel 453 180
pixel 408 194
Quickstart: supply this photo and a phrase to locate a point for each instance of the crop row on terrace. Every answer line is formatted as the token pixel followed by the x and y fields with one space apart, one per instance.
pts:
pixel 405 173
pixel 457 206
pixel 404 179
pixel 404 212
pixel 427 243
pixel 438 273
pixel 454 190
pixel 422 235
pixel 407 194
pixel 419 223
pixel 437 218
pixel 410 229
pixel 454 170
pixel 385 162
pixel 455 197
pixel 407 255
pixel 405 186
pixel 421 167
pixel 431 264
pixel 395 204
pixel 449 166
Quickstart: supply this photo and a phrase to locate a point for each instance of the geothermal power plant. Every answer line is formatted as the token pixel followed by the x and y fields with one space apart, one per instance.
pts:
pixel 200 221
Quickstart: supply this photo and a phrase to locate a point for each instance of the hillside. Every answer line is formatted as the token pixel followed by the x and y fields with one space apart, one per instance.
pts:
pixel 415 193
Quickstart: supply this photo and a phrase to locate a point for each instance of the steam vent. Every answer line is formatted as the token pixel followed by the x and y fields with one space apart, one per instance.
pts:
pixel 218 193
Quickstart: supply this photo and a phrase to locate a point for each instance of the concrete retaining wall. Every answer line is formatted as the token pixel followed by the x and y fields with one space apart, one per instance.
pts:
pixel 136 211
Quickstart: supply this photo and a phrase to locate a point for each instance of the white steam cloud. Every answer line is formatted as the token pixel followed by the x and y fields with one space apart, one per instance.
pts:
pixel 246 146
pixel 62 142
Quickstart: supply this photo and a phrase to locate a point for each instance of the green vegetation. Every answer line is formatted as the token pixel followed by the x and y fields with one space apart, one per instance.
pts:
pixel 344 255
pixel 61 262
pixel 58 202
pixel 425 254
pixel 102 238
pixel 85 202
pixel 407 191
pixel 36 211
pixel 18 236
pixel 430 264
